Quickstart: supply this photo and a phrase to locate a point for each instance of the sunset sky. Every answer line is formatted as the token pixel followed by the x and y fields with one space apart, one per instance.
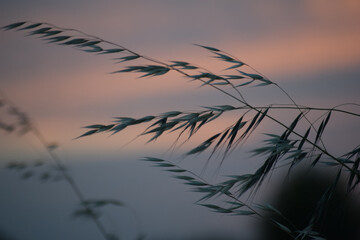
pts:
pixel 310 48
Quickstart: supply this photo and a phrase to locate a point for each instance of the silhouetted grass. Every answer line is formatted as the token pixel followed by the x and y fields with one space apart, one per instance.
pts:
pixel 289 148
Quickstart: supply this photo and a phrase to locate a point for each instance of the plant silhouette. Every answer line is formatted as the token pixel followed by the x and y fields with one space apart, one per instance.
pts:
pixel 299 143
pixel 56 170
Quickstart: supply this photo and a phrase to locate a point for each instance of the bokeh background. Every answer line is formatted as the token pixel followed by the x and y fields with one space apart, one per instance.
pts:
pixel 310 48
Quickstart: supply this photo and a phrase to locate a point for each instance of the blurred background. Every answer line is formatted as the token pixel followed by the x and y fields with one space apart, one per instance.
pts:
pixel 310 48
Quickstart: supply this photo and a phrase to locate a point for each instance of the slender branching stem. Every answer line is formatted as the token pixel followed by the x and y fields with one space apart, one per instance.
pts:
pixel 323 150
pixel 61 167
pixel 164 67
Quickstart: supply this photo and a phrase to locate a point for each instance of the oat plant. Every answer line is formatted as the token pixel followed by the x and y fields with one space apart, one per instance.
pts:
pixel 55 170
pixel 299 142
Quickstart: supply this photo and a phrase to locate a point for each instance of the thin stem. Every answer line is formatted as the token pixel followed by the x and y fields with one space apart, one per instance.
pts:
pixel 281 89
pixel 292 100
pixel 277 121
pixel 221 90
pixel 242 101
pixel 227 81
pixel 334 109
pixel 60 166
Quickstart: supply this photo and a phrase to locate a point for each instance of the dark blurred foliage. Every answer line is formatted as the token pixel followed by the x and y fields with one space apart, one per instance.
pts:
pixel 297 200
